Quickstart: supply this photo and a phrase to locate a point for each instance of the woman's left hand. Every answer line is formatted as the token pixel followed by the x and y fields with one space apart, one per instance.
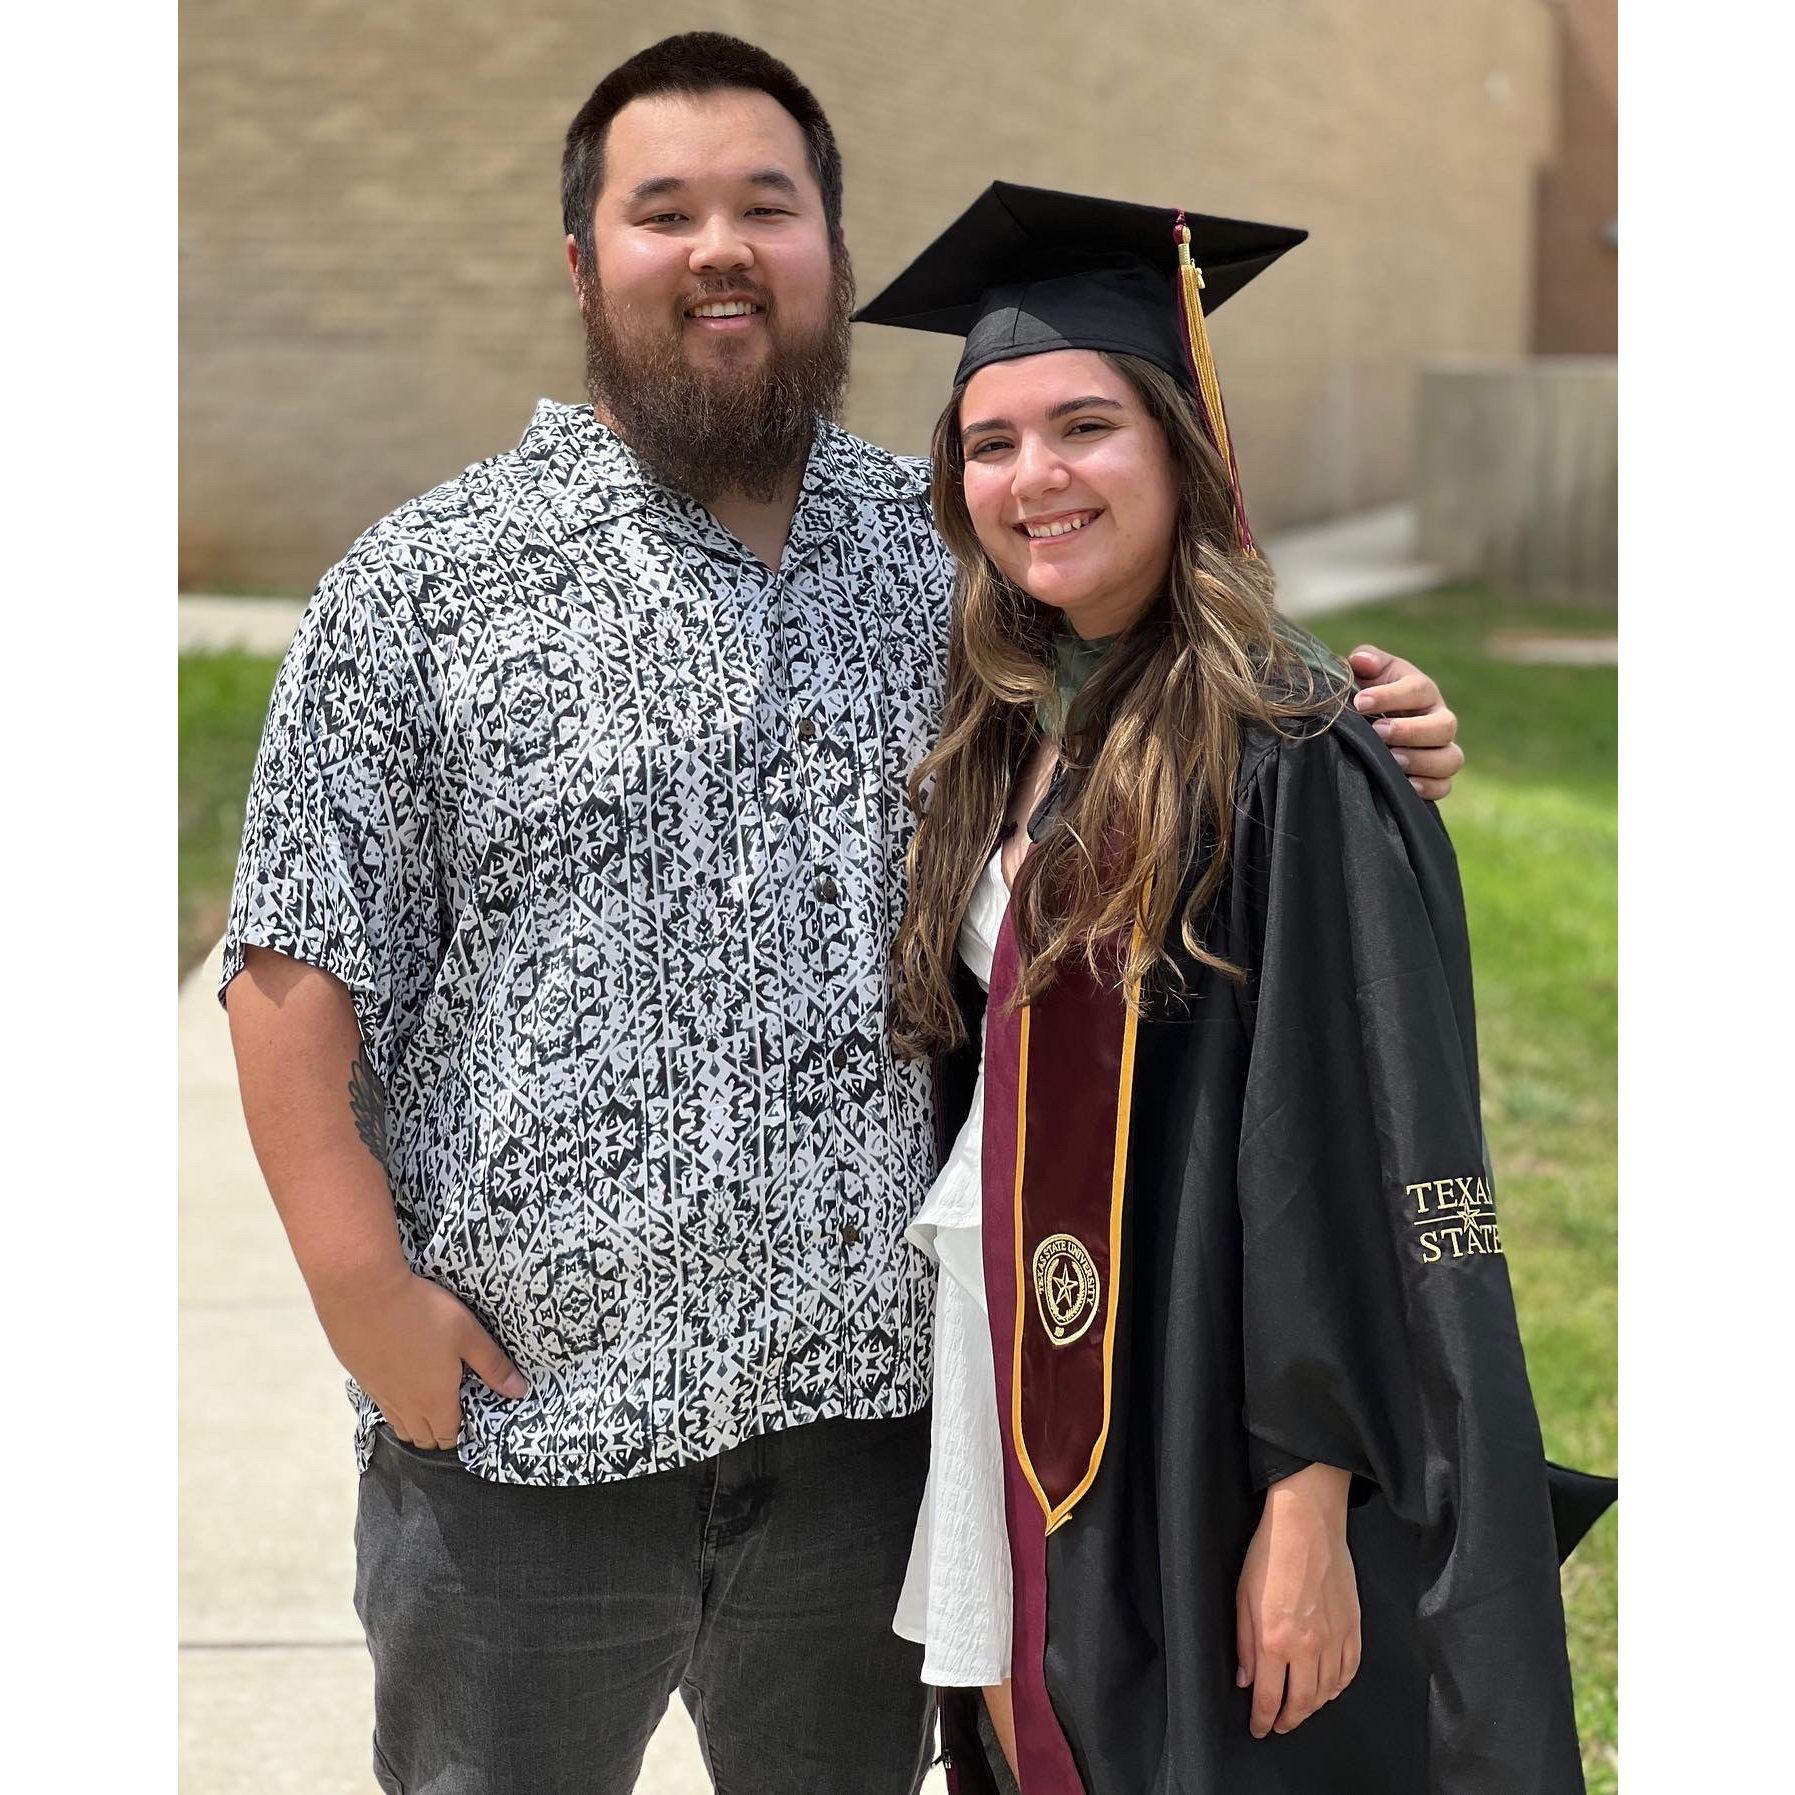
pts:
pixel 1408 712
pixel 1297 1605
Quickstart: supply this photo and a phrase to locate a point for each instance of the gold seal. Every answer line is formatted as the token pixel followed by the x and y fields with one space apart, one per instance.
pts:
pixel 1066 1288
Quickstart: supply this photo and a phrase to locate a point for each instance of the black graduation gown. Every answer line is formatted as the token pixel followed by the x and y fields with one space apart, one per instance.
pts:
pixel 1252 1231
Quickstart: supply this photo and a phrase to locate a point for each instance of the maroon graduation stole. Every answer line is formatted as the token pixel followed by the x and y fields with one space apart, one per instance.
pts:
pixel 1058 1090
pixel 1075 1067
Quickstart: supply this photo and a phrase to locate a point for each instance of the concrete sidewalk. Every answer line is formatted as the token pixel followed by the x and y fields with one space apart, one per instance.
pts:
pixel 1348 561
pixel 1321 568
pixel 276 1685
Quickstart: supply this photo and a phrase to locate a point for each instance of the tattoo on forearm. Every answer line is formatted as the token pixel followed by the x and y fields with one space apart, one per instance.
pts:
pixel 367 1103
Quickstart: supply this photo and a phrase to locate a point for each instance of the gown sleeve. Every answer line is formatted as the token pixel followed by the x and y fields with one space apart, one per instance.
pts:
pixel 1379 1324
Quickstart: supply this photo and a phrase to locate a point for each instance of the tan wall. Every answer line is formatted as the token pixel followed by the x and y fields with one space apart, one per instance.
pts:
pixel 373 287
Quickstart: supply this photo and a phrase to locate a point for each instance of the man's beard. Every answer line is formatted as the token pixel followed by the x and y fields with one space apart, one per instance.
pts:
pixel 722 429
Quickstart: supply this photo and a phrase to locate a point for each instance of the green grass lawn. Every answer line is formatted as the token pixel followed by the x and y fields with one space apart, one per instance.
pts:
pixel 223 698
pixel 1533 818
pixel 1534 821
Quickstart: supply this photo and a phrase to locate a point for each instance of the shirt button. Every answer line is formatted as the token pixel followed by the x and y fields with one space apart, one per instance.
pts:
pixel 827 889
pixel 839 1057
pixel 850 1236
pixel 806 729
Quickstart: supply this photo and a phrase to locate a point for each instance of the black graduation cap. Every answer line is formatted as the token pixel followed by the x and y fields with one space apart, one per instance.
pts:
pixel 1025 270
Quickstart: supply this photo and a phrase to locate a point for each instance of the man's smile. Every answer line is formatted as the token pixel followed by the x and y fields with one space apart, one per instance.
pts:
pixel 727 316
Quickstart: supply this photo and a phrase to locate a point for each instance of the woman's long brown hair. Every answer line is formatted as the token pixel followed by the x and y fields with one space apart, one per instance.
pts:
pixel 1149 768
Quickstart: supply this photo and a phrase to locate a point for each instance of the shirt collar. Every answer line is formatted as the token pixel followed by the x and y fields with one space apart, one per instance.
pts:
pixel 588 473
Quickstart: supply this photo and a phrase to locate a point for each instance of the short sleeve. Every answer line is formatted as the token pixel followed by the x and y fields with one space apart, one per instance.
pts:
pixel 338 866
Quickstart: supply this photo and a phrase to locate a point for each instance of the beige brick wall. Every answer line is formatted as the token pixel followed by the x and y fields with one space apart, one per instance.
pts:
pixel 373 291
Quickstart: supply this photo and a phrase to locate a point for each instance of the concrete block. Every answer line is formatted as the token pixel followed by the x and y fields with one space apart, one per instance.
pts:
pixel 1516 479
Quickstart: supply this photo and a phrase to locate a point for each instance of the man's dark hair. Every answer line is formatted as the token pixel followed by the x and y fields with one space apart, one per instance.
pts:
pixel 694 62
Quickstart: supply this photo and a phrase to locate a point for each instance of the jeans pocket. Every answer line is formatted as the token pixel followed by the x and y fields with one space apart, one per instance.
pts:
pixel 424 1455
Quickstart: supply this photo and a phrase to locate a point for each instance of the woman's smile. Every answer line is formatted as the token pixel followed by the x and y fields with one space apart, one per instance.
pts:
pixel 1058 530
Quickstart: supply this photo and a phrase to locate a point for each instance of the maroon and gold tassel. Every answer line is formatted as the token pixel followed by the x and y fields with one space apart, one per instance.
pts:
pixel 1202 366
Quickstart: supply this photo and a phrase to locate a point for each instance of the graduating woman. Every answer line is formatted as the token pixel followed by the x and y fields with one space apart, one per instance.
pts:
pixel 1237 1483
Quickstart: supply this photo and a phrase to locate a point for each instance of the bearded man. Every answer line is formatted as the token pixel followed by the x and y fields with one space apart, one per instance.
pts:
pixel 556 977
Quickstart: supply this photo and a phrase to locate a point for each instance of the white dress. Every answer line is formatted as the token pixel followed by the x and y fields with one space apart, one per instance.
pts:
pixel 956 1596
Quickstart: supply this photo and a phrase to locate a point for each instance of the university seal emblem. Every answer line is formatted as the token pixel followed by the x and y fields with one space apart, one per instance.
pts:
pixel 1066 1288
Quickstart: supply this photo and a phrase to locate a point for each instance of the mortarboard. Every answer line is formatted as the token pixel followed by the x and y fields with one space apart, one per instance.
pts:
pixel 1026 270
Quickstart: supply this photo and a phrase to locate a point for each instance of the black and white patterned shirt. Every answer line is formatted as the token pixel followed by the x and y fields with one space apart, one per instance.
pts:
pixel 601 823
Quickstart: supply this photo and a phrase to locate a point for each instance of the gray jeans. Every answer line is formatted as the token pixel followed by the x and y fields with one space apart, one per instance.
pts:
pixel 526 1640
